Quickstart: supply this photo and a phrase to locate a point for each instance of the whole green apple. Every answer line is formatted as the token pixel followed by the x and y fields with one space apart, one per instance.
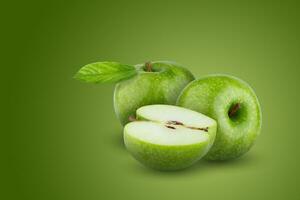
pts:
pixel 155 83
pixel 169 137
pixel 235 107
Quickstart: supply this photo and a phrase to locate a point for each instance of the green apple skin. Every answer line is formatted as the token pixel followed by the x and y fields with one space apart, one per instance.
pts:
pixel 214 96
pixel 165 158
pixel 161 86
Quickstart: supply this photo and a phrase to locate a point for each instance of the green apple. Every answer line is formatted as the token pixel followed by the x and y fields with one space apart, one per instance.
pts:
pixel 155 83
pixel 167 137
pixel 235 107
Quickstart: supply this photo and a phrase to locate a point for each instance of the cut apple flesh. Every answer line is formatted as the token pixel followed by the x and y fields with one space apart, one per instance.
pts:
pixel 164 134
pixel 175 115
pixel 170 125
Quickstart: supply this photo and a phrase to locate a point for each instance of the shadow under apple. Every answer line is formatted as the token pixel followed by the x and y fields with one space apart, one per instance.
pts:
pixel 201 167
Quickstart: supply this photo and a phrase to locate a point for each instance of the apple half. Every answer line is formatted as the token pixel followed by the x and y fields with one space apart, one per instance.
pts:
pixel 166 137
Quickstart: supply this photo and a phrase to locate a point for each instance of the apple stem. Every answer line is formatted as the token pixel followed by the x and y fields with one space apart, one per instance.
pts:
pixel 180 123
pixel 148 66
pixel 201 129
pixel 234 109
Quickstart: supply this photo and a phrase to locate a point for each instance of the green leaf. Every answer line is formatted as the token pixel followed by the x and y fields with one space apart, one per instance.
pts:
pixel 105 72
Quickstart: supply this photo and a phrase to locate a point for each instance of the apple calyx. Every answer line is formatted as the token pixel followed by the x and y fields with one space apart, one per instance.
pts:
pixel 233 109
pixel 181 124
pixel 148 66
pixel 132 118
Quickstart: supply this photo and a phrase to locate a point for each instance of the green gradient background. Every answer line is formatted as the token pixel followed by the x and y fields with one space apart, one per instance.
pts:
pixel 64 141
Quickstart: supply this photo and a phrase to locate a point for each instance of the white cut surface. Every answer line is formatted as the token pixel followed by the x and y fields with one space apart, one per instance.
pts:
pixel 158 133
pixel 164 113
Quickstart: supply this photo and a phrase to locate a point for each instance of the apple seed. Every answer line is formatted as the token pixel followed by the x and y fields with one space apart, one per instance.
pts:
pixel 171 127
pixel 175 123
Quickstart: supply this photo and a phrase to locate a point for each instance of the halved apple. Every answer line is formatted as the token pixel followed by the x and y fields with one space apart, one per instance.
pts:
pixel 166 137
